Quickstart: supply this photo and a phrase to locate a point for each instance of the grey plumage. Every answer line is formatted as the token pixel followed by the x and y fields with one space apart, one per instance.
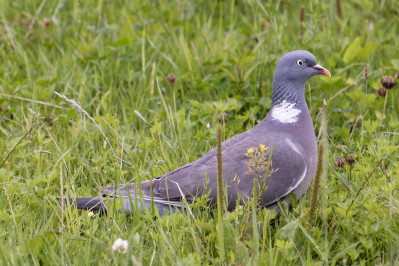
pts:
pixel 287 132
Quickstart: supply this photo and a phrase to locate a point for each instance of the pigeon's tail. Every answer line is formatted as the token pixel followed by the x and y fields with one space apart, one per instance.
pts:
pixel 94 204
pixel 128 204
pixel 131 198
pixel 147 196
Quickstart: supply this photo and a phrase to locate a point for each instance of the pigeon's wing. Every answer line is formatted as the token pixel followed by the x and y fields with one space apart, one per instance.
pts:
pixel 288 170
pixel 194 178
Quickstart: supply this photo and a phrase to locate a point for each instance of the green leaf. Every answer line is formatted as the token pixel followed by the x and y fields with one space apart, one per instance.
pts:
pixel 371 126
pixel 356 95
pixel 119 43
pixel 283 244
pixel 352 51
pixel 332 83
pixel 288 231
pixel 353 253
pixel 355 51
pixel 370 98
pixel 229 105
pixel 367 243
pixel 344 252
pixel 388 149
pixel 395 63
pixel 368 49
pixel 36 244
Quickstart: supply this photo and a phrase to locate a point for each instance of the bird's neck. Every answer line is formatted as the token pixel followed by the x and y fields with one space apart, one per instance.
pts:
pixel 288 102
pixel 285 91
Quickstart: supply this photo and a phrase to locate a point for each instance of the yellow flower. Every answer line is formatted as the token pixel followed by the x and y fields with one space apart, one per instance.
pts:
pixel 262 148
pixel 250 152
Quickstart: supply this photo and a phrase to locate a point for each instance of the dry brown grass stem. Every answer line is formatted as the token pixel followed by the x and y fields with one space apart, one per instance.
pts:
pixel 32 101
pixel 367 179
pixel 9 35
pixel 383 110
pixel 16 145
pixel 360 117
pixel 62 197
pixel 78 108
pixel 32 23
pixel 12 211
pixel 154 64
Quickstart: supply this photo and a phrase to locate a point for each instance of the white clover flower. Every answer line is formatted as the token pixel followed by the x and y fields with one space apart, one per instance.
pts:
pixel 90 214
pixel 120 245
pixel 208 125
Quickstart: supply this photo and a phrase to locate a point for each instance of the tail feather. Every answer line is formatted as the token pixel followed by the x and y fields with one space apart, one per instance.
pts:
pixel 131 198
pixel 98 204
pixel 93 204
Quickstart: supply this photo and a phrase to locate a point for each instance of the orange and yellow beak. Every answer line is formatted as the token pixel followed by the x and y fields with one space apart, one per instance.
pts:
pixel 322 70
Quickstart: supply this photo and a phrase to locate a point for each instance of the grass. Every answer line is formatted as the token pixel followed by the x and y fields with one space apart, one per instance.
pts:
pixel 113 58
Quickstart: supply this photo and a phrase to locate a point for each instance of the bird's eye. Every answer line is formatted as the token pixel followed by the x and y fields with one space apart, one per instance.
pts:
pixel 299 63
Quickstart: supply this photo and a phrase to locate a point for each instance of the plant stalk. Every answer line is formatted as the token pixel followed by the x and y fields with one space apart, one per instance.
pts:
pixel 316 183
pixel 383 110
pixel 220 196
pixel 220 170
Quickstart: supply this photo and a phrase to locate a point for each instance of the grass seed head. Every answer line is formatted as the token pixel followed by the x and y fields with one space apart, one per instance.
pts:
pixel 366 72
pixel 223 119
pixel 339 8
pixel 302 14
pixel 46 23
pixel 340 162
pixel 382 91
pixel 171 78
pixel 265 24
pixel 350 159
pixel 388 82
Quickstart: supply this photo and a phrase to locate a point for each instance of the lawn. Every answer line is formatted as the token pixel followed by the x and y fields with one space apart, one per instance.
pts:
pixel 150 79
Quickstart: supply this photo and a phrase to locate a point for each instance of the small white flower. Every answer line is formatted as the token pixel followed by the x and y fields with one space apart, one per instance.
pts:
pixel 90 214
pixel 120 245
pixel 208 125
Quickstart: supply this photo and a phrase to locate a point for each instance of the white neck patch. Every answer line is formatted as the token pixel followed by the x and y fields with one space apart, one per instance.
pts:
pixel 285 112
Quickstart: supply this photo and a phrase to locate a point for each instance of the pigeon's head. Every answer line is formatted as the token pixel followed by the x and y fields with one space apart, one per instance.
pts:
pixel 298 67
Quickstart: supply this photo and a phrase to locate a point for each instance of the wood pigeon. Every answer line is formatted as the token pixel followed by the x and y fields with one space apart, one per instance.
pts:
pixel 286 134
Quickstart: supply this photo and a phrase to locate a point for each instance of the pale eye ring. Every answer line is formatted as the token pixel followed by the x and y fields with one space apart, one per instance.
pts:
pixel 299 62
